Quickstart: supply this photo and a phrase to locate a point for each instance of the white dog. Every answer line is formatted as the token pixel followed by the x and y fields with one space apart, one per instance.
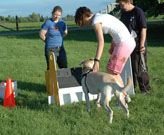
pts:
pixel 103 84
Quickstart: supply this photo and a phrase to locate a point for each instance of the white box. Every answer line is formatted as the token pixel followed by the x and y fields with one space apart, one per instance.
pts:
pixel 71 95
pixel 3 88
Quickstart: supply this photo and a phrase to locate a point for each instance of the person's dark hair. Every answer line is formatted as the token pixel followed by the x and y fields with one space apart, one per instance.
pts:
pixel 57 8
pixel 126 1
pixel 82 12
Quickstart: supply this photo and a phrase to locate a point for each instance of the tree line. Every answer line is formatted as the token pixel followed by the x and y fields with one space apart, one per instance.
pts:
pixel 34 17
pixel 150 7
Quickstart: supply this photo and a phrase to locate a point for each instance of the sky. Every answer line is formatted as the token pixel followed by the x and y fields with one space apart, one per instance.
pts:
pixel 23 8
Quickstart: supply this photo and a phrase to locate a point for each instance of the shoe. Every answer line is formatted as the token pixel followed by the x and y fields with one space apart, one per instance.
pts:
pixel 144 92
pixel 127 99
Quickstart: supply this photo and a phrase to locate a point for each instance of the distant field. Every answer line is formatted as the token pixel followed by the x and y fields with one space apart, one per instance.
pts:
pixel 28 26
pixel 22 59
pixel 37 25
pixel 160 17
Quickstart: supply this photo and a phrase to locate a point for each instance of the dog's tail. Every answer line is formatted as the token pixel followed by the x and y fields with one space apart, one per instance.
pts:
pixel 127 86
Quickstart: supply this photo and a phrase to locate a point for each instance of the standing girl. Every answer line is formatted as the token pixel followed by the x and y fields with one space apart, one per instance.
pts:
pixel 52 33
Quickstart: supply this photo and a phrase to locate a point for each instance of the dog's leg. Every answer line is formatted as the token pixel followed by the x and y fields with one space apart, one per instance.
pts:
pixel 97 103
pixel 125 107
pixel 88 102
pixel 86 95
pixel 106 97
pixel 109 110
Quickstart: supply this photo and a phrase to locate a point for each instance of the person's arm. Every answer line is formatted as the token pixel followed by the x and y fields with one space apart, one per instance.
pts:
pixel 100 38
pixel 65 33
pixel 142 41
pixel 43 34
pixel 65 30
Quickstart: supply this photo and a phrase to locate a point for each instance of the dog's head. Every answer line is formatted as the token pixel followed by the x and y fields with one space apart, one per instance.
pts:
pixel 88 63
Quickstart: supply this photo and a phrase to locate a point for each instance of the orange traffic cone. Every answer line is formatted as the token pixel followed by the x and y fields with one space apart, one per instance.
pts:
pixel 9 100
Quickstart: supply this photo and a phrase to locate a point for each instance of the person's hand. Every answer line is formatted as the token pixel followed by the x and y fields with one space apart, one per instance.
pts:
pixel 142 49
pixel 96 66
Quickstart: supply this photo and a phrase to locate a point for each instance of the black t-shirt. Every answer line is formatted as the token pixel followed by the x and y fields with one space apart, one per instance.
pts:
pixel 135 20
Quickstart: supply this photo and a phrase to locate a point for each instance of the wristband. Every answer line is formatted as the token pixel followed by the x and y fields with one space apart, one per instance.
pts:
pixel 96 60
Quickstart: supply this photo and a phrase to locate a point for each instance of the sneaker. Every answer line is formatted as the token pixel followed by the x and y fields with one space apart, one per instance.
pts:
pixel 127 99
pixel 144 92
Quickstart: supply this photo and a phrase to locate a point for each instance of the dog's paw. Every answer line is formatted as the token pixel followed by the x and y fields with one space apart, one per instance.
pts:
pixel 98 105
pixel 127 99
pixel 126 105
pixel 127 114
pixel 111 118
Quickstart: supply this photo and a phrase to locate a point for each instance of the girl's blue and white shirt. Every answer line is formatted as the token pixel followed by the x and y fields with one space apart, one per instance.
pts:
pixel 55 30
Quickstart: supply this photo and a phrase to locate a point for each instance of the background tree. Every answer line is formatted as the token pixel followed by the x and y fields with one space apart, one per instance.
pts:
pixel 2 18
pixel 161 1
pixel 68 18
pixel 9 18
pixel 151 7
pixel 42 18
pixel 34 17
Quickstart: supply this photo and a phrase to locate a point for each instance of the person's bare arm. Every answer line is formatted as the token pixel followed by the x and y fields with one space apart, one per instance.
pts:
pixel 143 38
pixel 100 39
pixel 65 33
pixel 43 34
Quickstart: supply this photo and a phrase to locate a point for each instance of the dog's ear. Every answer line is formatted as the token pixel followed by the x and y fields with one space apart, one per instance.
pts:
pixel 92 59
pixel 82 63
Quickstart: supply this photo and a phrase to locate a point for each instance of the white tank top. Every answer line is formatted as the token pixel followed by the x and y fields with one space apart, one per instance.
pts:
pixel 113 26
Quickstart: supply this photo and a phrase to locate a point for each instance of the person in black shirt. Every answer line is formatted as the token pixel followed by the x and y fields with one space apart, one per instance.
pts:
pixel 134 19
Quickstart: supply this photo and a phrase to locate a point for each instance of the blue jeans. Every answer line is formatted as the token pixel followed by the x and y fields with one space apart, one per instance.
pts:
pixel 61 56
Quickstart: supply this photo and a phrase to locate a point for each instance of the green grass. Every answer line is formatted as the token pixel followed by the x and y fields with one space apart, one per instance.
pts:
pixel 22 59
pixel 153 18
pixel 22 26
pixel 28 26
pixel 37 25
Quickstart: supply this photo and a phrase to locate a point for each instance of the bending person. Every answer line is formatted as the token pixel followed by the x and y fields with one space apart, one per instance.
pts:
pixel 123 43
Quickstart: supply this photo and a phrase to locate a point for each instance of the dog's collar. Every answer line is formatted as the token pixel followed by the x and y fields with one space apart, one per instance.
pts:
pixel 87 71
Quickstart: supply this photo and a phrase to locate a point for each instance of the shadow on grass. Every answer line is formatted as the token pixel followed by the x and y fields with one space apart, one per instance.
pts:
pixel 39 88
pixel 155 34
pixel 39 102
pixel 31 96
pixel 78 35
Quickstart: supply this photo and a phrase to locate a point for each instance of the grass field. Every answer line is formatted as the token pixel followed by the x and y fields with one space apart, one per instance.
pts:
pixel 28 26
pixel 37 25
pixel 22 59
